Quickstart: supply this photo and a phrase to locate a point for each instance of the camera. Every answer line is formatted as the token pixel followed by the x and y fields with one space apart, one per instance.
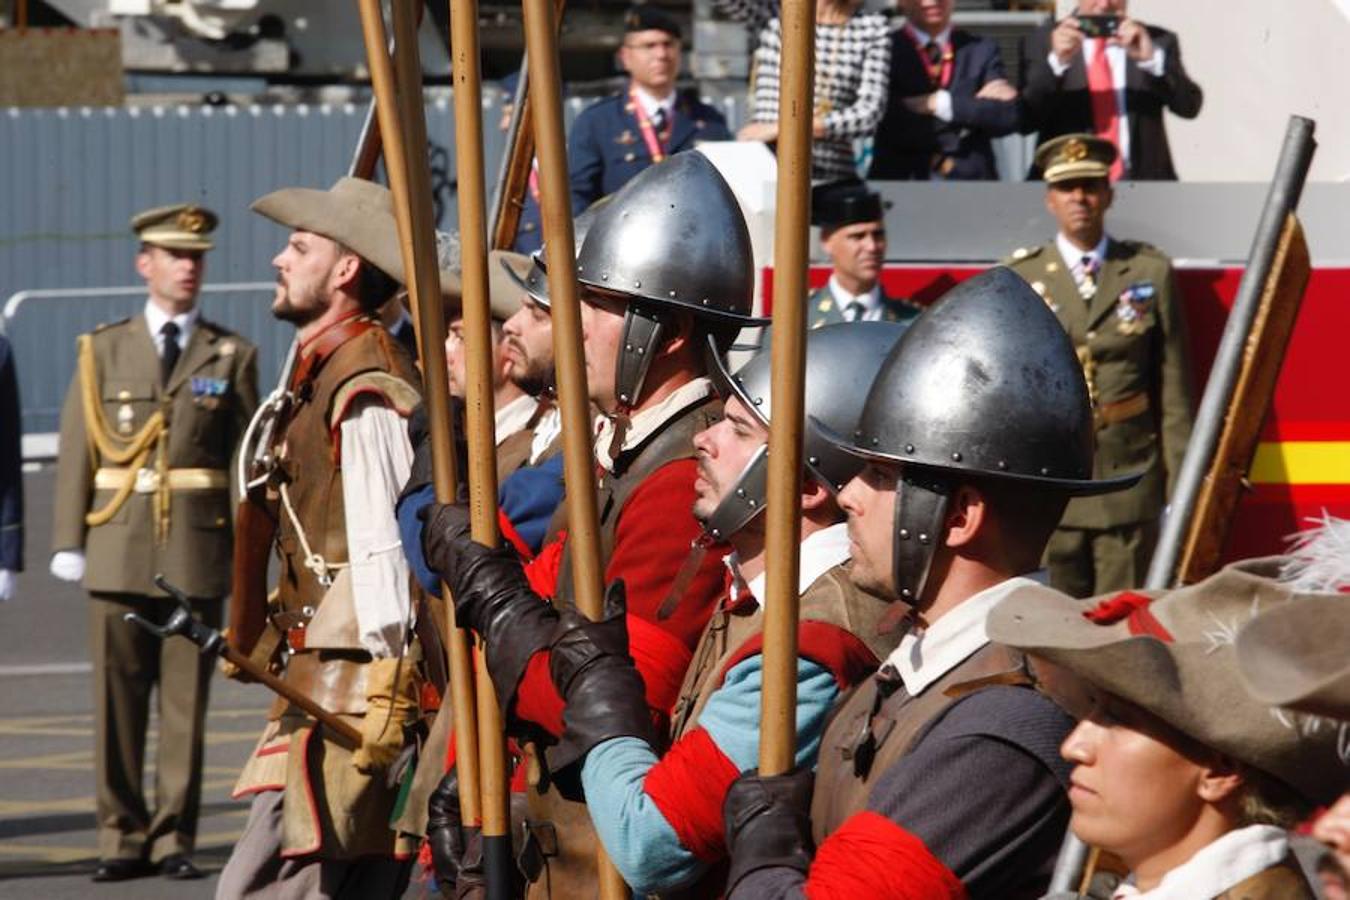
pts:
pixel 1098 26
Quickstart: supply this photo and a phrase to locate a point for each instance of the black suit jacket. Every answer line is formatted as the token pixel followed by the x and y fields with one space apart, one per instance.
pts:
pixel 906 143
pixel 1062 105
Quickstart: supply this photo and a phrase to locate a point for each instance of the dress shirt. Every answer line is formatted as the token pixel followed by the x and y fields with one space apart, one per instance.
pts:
pixel 820 551
pixel 943 97
pixel 376 460
pixel 1117 57
pixel 514 416
pixel 871 300
pixel 925 655
pixel 645 423
pixel 1073 257
pixel 546 430
pixel 1217 867
pixel 650 104
pixel 156 318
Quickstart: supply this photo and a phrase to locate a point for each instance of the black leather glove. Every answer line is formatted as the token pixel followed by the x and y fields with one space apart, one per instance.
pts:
pixel 491 594
pixel 768 823
pixel 456 851
pixel 603 691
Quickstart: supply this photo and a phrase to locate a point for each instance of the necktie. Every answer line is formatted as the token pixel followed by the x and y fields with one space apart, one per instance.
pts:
pixel 1087 284
pixel 853 311
pixel 659 122
pixel 1105 111
pixel 169 356
pixel 934 52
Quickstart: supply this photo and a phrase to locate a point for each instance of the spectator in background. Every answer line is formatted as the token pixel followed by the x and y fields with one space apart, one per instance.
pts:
pixel 948 96
pixel 11 474
pixel 853 59
pixel 853 234
pixel 1115 86
pixel 616 138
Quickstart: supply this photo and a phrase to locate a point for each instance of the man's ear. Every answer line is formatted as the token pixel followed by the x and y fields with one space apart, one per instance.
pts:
pixel 1220 780
pixel 346 273
pixel 143 263
pixel 678 333
pixel 967 514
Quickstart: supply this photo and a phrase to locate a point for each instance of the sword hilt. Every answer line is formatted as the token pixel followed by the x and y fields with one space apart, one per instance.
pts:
pixel 180 622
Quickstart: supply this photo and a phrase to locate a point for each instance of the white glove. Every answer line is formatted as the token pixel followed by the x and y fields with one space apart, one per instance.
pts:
pixel 7 580
pixel 68 565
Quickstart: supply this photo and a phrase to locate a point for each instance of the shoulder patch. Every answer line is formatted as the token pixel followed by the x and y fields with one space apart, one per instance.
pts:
pixel 400 395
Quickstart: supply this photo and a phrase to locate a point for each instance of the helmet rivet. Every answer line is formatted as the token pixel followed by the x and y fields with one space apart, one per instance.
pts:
pixel 580 267
pixel 923 538
pixel 909 448
pixel 740 492
pixel 906 593
pixel 717 532
pixel 752 503
pixel 1045 470
pixel 1002 465
pixel 876 442
pixel 705 301
pixel 813 460
pixel 904 534
pixel 672 293
pixel 759 401
pixel 637 284
pixel 642 351
pixel 628 348
pixel 604 276
pixel 956 457
pixel 623 398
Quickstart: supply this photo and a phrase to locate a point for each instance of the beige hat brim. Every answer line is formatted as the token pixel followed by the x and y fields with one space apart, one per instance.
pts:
pixel 183 240
pixel 360 220
pixel 506 291
pixel 1298 656
pixel 1084 168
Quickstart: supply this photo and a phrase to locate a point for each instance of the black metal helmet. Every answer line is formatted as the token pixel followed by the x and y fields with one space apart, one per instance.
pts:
pixel 985 382
pixel 841 361
pixel 535 282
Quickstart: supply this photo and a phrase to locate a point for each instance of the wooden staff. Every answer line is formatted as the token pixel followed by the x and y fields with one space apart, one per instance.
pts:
pixel 583 533
pixel 777 742
pixel 481 420
pixel 416 234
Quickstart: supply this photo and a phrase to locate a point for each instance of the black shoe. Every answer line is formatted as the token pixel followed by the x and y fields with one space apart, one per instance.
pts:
pixel 121 869
pixel 179 868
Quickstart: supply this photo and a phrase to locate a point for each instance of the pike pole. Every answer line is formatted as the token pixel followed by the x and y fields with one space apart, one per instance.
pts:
pixel 480 414
pixel 409 182
pixel 1073 868
pixel 777 745
pixel 583 538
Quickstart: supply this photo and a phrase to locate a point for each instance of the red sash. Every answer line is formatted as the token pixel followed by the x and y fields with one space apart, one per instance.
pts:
pixel 939 73
pixel 656 143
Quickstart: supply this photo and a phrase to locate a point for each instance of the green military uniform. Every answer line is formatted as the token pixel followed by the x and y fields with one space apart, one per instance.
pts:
pixel 823 309
pixel 1130 334
pixel 143 488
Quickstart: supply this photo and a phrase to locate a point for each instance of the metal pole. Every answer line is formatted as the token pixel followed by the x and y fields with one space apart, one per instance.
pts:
pixel 783 527
pixel 1290 173
pixel 480 414
pixel 583 538
pixel 424 291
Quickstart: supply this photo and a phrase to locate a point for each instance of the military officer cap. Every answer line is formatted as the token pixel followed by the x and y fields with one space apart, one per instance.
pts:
pixel 835 204
pixel 1072 156
pixel 181 226
pixel 645 17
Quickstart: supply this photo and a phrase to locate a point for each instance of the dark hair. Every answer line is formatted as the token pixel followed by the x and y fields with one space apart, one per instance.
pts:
pixel 1027 515
pixel 374 287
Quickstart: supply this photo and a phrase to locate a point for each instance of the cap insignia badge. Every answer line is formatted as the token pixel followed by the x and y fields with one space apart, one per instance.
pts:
pixel 192 220
pixel 1075 151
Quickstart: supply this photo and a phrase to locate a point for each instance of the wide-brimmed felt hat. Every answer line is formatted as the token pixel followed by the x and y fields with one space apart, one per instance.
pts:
pixel 1172 653
pixel 356 213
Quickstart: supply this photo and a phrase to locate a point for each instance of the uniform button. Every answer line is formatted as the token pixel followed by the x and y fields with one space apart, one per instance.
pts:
pixel 124 395
pixel 1091 335
pixel 629 157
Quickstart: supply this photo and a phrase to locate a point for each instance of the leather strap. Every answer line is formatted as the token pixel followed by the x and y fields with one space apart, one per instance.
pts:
pixel 1122 410
pixel 319 349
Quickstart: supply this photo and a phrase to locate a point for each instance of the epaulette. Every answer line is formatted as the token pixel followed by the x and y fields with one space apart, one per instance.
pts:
pixel 1022 253
pixel 1146 248
pixel 104 326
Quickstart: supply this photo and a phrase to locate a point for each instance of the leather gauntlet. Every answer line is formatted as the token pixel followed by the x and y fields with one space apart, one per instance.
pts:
pixel 391 703
pixel 768 823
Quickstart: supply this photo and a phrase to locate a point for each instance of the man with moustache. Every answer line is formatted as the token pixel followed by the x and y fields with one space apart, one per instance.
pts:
pixel 853 233
pixel 1120 304
pixel 949 95
pixel 149 426
pixel 1115 86
pixel 617 137
pixel 344 606
pixel 940 776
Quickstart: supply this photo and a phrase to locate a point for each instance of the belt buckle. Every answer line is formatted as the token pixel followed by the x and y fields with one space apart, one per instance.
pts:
pixel 147 481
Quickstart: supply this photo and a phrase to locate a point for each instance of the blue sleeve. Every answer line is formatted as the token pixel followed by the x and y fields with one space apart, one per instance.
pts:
pixel 636 834
pixel 528 497
pixel 410 532
pixel 585 162
pixel 11 464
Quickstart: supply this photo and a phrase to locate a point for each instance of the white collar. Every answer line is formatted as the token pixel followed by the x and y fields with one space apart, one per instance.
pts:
pixel 870 300
pixel 1073 257
pixel 923 38
pixel 644 423
pixel 513 417
pixel 156 318
pixel 650 104
pixel 925 656
pixel 1219 866
pixel 546 429
pixel 820 551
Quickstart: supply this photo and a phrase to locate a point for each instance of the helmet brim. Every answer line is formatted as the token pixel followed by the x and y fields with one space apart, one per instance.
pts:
pixel 534 283
pixel 1074 487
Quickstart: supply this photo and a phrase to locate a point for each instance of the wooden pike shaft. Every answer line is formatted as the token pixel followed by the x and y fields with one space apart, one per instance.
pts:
pixel 413 213
pixel 583 539
pixel 481 421
pixel 783 528
pixel 345 732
